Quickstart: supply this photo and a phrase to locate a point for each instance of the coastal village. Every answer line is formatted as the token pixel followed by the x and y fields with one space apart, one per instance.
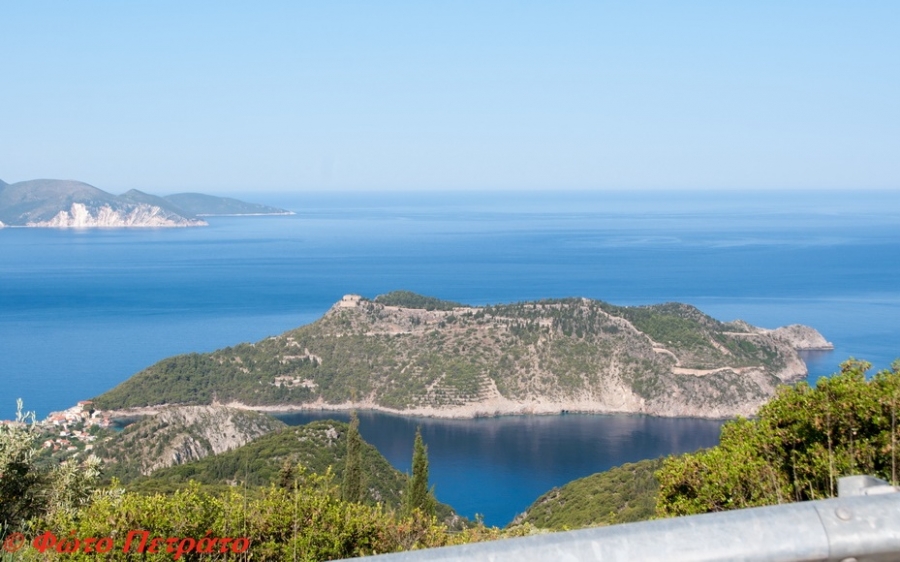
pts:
pixel 71 430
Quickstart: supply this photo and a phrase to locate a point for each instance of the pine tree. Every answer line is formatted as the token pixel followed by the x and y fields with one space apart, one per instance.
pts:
pixel 418 496
pixel 352 484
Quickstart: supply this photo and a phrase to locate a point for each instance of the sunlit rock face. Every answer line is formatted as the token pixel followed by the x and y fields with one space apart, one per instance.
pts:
pixel 141 215
pixel 801 337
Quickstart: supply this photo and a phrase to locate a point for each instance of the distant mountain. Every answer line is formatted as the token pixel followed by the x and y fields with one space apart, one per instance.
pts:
pixel 205 205
pixel 139 197
pixel 67 203
pixel 423 356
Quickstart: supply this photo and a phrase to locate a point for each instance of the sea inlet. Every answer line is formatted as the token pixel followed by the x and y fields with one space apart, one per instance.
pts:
pixel 496 467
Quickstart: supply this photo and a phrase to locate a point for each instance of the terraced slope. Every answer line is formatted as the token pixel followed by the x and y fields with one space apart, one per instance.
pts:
pixel 460 361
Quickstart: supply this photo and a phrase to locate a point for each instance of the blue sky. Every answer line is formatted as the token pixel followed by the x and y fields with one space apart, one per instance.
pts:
pixel 293 96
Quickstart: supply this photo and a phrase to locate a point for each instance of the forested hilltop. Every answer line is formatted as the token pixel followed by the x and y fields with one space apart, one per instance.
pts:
pixel 410 354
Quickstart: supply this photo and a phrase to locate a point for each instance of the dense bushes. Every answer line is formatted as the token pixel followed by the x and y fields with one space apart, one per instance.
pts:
pixel 803 440
pixel 620 495
pixel 306 521
pixel 298 515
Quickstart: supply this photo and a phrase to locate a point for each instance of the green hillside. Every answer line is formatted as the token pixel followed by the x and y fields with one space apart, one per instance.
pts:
pixel 135 196
pixel 665 360
pixel 179 435
pixel 39 200
pixel 317 446
pixel 200 204
pixel 620 495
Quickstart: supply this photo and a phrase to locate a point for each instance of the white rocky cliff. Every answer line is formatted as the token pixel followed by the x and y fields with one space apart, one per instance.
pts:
pixel 140 215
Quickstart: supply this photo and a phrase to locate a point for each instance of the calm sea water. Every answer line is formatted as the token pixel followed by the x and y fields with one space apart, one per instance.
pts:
pixel 80 311
pixel 497 467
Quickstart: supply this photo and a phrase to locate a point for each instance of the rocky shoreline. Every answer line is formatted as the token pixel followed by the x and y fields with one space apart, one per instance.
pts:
pixel 800 337
pixel 488 409
pixel 735 371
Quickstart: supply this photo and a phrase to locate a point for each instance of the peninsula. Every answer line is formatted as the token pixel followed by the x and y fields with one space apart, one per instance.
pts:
pixel 74 204
pixel 412 355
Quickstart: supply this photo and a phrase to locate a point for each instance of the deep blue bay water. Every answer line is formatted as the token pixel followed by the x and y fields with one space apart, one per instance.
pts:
pixel 82 310
pixel 497 467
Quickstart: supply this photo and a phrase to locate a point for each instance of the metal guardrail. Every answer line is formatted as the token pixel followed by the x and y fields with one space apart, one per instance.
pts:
pixel 861 525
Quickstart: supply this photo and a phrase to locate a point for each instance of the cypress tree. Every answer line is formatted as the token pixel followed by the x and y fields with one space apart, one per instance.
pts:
pixel 418 496
pixel 352 484
pixel 287 475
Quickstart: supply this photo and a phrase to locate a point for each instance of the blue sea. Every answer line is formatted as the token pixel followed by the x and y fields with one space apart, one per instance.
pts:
pixel 82 310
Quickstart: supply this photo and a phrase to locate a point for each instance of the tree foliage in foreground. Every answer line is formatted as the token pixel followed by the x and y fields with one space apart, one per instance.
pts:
pixel 20 480
pixel 29 489
pixel 300 515
pixel 308 521
pixel 802 441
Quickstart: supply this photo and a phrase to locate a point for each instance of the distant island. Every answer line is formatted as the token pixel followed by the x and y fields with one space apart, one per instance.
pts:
pixel 413 355
pixel 74 204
